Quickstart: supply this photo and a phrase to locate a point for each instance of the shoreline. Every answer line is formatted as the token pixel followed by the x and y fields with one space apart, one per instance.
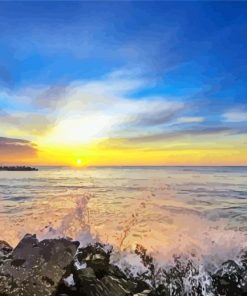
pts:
pixel 59 267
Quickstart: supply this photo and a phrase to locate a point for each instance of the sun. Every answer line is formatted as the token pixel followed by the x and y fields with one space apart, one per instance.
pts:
pixel 78 162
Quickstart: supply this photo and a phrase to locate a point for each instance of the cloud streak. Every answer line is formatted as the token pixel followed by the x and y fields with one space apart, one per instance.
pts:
pixel 110 107
pixel 171 135
pixel 235 116
pixel 11 147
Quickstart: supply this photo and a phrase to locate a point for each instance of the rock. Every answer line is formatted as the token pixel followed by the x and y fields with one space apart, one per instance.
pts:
pixel 230 280
pixel 50 267
pixel 162 290
pixel 5 248
pixel 96 258
pixel 96 276
pixel 85 275
pixel 141 286
pixel 116 286
pixel 116 271
pixel 67 287
pixel 89 285
pixel 144 293
pixel 36 268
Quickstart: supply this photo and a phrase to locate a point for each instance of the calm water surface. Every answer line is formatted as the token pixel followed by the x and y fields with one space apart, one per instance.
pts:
pixel 169 210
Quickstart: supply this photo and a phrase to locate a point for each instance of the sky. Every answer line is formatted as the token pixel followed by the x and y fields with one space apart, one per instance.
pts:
pixel 123 83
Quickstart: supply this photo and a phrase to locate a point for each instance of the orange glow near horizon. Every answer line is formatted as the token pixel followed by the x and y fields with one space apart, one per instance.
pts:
pixel 98 156
pixel 91 149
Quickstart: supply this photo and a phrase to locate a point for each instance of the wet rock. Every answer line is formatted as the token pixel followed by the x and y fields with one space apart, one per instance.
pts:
pixel 116 271
pixel 85 275
pixel 96 258
pixel 95 275
pixel 144 293
pixel 230 280
pixel 5 248
pixel 89 285
pixel 141 286
pixel 67 287
pixel 36 268
pixel 161 290
pixel 50 267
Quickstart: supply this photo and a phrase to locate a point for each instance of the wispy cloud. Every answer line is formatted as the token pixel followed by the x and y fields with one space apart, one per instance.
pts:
pixel 16 148
pixel 107 103
pixel 190 119
pixel 106 108
pixel 158 112
pixel 28 123
pixel 181 134
pixel 235 116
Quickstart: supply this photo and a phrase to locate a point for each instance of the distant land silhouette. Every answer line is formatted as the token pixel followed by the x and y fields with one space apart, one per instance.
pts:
pixel 17 168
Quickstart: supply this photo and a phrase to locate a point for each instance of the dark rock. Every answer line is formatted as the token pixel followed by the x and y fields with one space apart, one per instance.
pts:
pixel 116 271
pixel 5 248
pixel 67 288
pixel 98 277
pixel 96 258
pixel 145 293
pixel 50 267
pixel 161 290
pixel 89 285
pixel 115 286
pixel 36 268
pixel 85 275
pixel 230 280
pixel 141 286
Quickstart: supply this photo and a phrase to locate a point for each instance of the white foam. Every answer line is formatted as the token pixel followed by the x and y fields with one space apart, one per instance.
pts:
pixel 79 265
pixel 69 281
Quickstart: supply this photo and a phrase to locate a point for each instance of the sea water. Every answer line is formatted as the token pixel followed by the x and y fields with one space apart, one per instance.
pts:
pixel 197 212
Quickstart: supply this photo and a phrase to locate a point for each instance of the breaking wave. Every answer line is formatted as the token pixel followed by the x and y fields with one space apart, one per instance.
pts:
pixel 176 229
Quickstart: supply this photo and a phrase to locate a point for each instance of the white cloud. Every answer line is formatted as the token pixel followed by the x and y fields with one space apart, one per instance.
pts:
pixel 91 109
pixel 190 119
pixel 235 116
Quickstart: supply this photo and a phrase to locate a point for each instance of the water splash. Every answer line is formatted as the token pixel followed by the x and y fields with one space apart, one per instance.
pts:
pixel 196 215
pixel 74 224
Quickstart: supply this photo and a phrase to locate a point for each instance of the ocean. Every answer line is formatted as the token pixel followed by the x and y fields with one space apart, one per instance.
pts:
pixel 197 212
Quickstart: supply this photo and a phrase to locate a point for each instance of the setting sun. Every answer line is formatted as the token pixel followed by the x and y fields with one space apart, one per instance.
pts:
pixel 123 148
pixel 78 162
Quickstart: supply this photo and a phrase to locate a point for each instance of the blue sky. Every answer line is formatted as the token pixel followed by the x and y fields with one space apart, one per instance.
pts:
pixel 188 60
pixel 44 42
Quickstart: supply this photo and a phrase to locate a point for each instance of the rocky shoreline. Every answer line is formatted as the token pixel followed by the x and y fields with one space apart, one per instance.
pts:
pixel 59 267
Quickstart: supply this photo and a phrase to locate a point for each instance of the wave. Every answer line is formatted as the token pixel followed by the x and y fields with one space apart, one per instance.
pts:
pixel 184 263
